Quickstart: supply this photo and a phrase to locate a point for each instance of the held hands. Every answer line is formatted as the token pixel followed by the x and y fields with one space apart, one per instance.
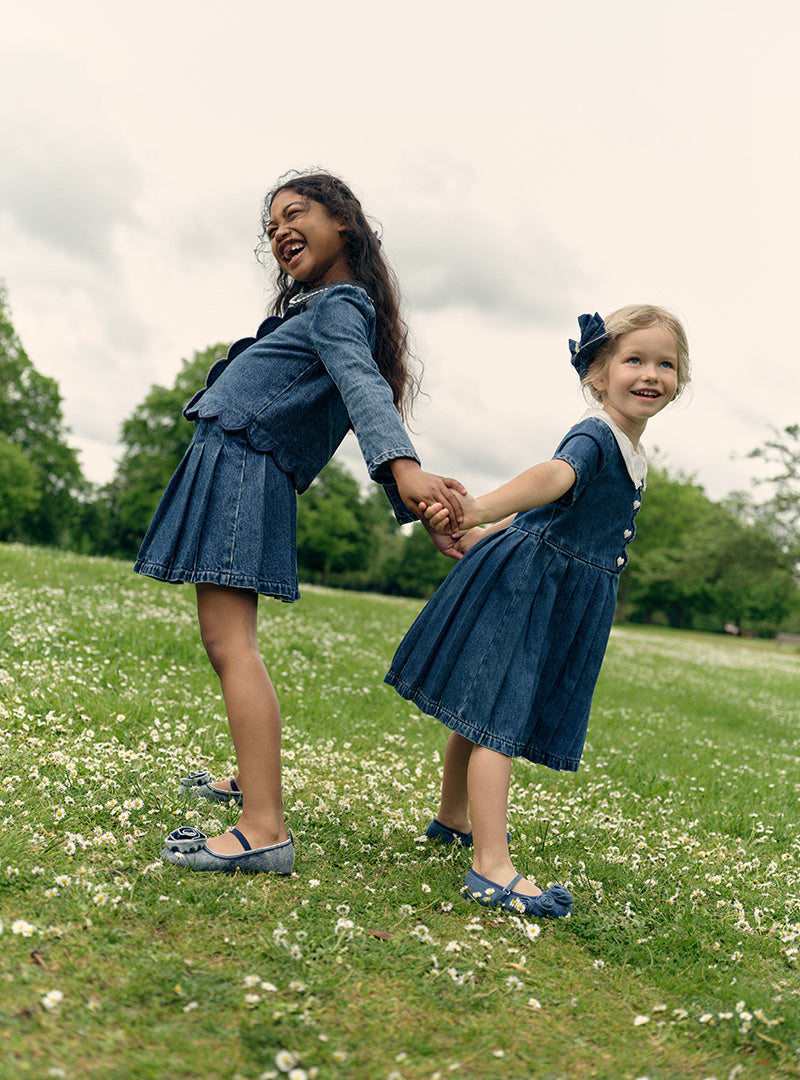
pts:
pixel 437 515
pixel 417 486
pixel 537 486
pixel 468 539
pixel 440 503
pixel 457 543
pixel 446 544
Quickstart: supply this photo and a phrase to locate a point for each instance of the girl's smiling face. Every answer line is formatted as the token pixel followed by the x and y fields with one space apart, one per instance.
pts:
pixel 306 241
pixel 639 379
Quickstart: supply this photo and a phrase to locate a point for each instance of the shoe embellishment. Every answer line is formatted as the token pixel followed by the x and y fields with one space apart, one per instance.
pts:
pixel 553 903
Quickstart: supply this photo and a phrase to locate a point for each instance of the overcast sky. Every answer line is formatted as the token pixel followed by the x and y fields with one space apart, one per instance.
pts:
pixel 527 161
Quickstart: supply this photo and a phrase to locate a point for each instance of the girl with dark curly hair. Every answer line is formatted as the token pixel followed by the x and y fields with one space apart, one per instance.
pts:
pixel 332 356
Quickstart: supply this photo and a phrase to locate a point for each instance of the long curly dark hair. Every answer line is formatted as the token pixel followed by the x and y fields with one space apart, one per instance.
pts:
pixel 367 266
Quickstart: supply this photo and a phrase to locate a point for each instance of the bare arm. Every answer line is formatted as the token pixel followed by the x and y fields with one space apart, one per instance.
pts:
pixel 537 486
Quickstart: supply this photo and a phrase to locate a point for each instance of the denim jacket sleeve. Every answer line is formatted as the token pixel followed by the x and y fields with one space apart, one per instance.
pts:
pixel 303 381
pixel 339 337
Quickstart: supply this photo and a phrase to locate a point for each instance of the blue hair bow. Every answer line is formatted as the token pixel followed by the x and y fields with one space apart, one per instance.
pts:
pixel 593 334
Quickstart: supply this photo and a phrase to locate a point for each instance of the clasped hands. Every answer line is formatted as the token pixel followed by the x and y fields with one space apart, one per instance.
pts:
pixel 453 534
pixel 443 504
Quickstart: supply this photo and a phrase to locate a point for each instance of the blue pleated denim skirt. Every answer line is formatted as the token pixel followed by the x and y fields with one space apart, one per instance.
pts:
pixel 228 516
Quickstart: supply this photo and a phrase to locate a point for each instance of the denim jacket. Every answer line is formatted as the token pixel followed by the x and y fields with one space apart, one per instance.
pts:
pixel 303 381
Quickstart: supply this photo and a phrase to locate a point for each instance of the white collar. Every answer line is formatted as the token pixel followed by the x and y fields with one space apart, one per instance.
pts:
pixel 635 461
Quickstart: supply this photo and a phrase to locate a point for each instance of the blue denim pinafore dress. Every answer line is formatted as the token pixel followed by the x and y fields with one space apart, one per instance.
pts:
pixel 508 650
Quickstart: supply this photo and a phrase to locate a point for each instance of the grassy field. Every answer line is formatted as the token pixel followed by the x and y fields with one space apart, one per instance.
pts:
pixel 679 838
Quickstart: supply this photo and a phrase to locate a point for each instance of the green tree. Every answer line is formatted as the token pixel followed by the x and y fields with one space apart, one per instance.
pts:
pixel 20 493
pixel 781 513
pixel 416 567
pixel 665 575
pixel 344 538
pixel 386 538
pixel 155 438
pixel 753 579
pixel 31 420
pixel 330 534
pixel 696 563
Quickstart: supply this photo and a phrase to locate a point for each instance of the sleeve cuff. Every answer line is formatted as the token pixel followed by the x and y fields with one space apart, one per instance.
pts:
pixel 402 514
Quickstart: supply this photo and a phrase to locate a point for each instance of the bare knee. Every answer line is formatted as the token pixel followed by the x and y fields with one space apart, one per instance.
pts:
pixel 218 647
pixel 227 626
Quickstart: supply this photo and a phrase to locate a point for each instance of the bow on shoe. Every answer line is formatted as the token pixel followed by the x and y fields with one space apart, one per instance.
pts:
pixel 553 903
pixel 185 839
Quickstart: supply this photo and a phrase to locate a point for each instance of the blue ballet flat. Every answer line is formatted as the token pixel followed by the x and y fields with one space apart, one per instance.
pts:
pixel 189 784
pixel 553 903
pixel 187 846
pixel 445 835
pixel 200 784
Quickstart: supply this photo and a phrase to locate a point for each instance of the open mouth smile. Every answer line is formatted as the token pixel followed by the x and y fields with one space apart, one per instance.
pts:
pixel 291 249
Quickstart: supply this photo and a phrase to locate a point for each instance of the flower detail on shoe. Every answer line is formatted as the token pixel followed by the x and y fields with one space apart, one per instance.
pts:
pixel 188 847
pixel 201 784
pixel 194 781
pixel 186 838
pixel 553 903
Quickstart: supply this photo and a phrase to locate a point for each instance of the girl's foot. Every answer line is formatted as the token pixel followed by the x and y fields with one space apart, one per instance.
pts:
pixel 227 791
pixel 447 834
pixel 203 785
pixel 222 791
pixel 225 785
pixel 553 903
pixel 504 872
pixel 260 832
pixel 188 847
pixel 527 888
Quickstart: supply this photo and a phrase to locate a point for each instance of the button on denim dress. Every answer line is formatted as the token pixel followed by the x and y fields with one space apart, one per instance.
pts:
pixel 508 650
pixel 271 415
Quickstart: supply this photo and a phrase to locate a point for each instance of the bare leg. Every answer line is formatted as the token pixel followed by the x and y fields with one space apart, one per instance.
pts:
pixel 228 629
pixel 488 779
pixel 454 805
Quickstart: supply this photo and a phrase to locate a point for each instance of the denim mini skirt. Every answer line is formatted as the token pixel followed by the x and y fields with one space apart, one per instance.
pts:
pixel 228 517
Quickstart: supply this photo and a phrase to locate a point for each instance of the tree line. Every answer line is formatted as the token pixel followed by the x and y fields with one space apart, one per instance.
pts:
pixel 696 564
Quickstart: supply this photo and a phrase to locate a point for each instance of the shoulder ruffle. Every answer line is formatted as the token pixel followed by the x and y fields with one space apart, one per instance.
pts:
pixel 267 326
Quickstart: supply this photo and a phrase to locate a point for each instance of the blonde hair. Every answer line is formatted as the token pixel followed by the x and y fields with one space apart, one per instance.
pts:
pixel 638 317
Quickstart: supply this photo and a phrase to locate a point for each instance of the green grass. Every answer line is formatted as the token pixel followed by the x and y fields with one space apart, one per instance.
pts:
pixel 679 839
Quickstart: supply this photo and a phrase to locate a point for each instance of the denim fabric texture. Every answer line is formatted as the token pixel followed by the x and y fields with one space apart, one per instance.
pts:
pixel 228 516
pixel 270 417
pixel 300 385
pixel 508 650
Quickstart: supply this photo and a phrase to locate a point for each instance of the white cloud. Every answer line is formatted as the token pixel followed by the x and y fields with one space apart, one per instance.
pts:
pixel 66 176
